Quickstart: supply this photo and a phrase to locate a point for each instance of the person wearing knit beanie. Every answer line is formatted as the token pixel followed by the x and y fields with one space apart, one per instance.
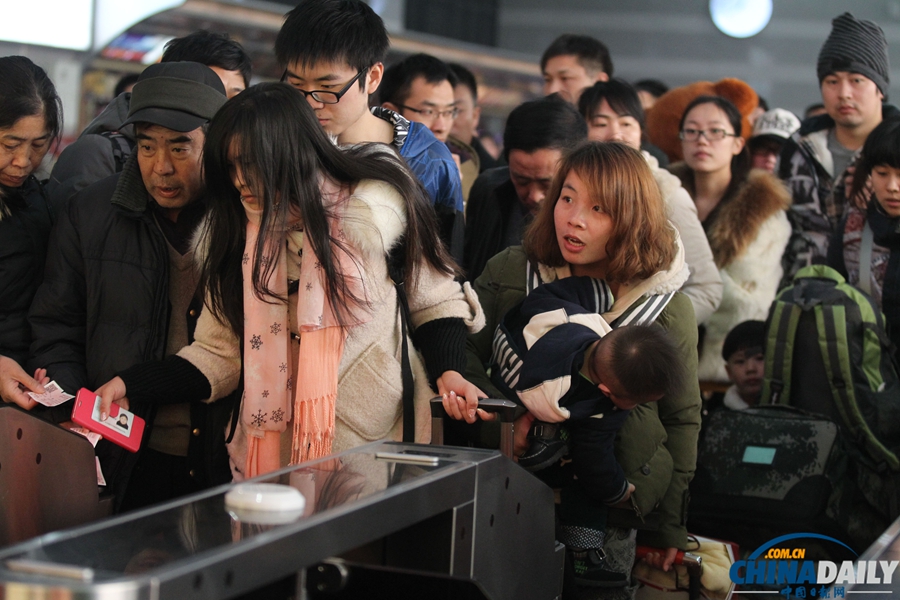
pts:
pixel 854 74
pixel 857 47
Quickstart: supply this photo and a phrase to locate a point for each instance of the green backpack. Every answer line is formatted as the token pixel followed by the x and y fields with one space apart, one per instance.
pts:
pixel 827 352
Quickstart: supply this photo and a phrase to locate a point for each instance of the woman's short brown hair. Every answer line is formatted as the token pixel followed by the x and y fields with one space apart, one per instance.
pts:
pixel 620 181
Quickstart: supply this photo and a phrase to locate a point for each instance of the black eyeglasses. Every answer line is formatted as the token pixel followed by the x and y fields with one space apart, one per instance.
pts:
pixel 325 96
pixel 713 134
pixel 449 113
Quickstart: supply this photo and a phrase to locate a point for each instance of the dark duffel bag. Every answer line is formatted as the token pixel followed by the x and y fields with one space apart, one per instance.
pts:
pixel 769 466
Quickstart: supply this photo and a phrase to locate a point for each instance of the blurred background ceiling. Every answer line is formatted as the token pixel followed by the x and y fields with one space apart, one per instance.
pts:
pixel 501 40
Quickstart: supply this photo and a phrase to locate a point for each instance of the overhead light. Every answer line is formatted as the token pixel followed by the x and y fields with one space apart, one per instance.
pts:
pixel 56 23
pixel 740 18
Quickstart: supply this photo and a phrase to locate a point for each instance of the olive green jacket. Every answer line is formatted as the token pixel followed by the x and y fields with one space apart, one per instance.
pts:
pixel 657 446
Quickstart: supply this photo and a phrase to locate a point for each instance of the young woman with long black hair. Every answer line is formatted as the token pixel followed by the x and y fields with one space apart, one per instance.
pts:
pixel 297 248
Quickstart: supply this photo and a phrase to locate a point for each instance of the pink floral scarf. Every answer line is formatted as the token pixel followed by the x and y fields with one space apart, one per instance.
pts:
pixel 268 386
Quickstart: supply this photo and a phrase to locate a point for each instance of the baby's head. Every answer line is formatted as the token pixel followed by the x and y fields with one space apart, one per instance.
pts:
pixel 636 364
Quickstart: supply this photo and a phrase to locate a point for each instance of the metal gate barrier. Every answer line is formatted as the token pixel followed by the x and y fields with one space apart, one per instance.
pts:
pixel 430 512
pixel 48 478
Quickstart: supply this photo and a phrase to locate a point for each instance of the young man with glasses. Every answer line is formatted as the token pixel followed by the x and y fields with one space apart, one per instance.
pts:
pixel 420 88
pixel 333 52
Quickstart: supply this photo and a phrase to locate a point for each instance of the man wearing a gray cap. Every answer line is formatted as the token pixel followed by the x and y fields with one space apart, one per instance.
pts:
pixel 854 74
pixel 120 285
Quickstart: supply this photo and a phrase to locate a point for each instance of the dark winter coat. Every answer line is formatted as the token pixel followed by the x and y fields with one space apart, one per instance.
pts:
pixel 104 306
pixel 843 255
pixel 24 231
pixel 488 214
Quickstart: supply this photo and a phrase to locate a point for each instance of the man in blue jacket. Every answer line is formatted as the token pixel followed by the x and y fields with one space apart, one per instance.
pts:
pixel 333 52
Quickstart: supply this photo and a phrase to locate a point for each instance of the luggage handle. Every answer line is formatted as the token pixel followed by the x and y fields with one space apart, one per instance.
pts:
pixel 507 412
pixel 692 562
pixel 787 408
pixel 688 559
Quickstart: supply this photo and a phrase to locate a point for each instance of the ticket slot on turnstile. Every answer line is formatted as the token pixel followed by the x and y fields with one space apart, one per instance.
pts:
pixel 418 517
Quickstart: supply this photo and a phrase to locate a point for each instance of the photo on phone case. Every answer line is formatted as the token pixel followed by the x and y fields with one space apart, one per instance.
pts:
pixel 120 422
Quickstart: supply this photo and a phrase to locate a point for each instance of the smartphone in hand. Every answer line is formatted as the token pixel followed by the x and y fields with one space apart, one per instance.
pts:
pixel 121 427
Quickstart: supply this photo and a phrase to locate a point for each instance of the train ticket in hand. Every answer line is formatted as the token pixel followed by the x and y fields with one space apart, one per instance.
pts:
pixel 54 395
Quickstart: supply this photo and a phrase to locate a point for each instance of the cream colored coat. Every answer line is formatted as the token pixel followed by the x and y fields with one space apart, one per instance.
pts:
pixel 704 286
pixel 369 396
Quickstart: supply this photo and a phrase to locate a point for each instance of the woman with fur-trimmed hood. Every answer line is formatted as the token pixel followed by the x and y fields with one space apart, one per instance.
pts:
pixel 743 214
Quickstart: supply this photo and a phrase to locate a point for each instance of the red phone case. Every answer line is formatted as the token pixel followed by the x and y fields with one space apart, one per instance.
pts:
pixel 127 434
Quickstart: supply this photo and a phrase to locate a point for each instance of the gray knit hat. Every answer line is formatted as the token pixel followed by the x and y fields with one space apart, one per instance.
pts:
pixel 180 96
pixel 858 47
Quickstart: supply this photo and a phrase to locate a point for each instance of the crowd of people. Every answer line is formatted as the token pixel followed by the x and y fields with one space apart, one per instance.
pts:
pixel 269 276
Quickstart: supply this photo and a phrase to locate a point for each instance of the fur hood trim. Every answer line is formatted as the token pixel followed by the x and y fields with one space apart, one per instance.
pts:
pixel 740 218
pixel 375 218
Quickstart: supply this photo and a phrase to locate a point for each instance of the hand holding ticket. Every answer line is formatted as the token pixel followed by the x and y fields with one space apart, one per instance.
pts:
pixel 54 395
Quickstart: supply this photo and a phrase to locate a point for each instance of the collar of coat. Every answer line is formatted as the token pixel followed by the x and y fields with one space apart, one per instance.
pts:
pixel 131 193
pixel 741 214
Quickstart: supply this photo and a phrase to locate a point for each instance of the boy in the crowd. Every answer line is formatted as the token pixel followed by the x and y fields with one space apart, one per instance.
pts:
pixel 420 88
pixel 333 52
pixel 744 363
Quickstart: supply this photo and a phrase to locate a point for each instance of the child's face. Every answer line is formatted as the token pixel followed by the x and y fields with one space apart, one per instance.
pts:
pixel 886 183
pixel 745 370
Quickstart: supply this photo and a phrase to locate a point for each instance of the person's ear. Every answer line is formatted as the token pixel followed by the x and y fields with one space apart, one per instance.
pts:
pixel 373 77
pixel 739 142
pixel 602 76
pixel 603 388
pixel 476 117
pixel 393 107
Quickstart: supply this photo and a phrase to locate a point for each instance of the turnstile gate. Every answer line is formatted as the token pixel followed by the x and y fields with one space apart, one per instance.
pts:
pixel 435 513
